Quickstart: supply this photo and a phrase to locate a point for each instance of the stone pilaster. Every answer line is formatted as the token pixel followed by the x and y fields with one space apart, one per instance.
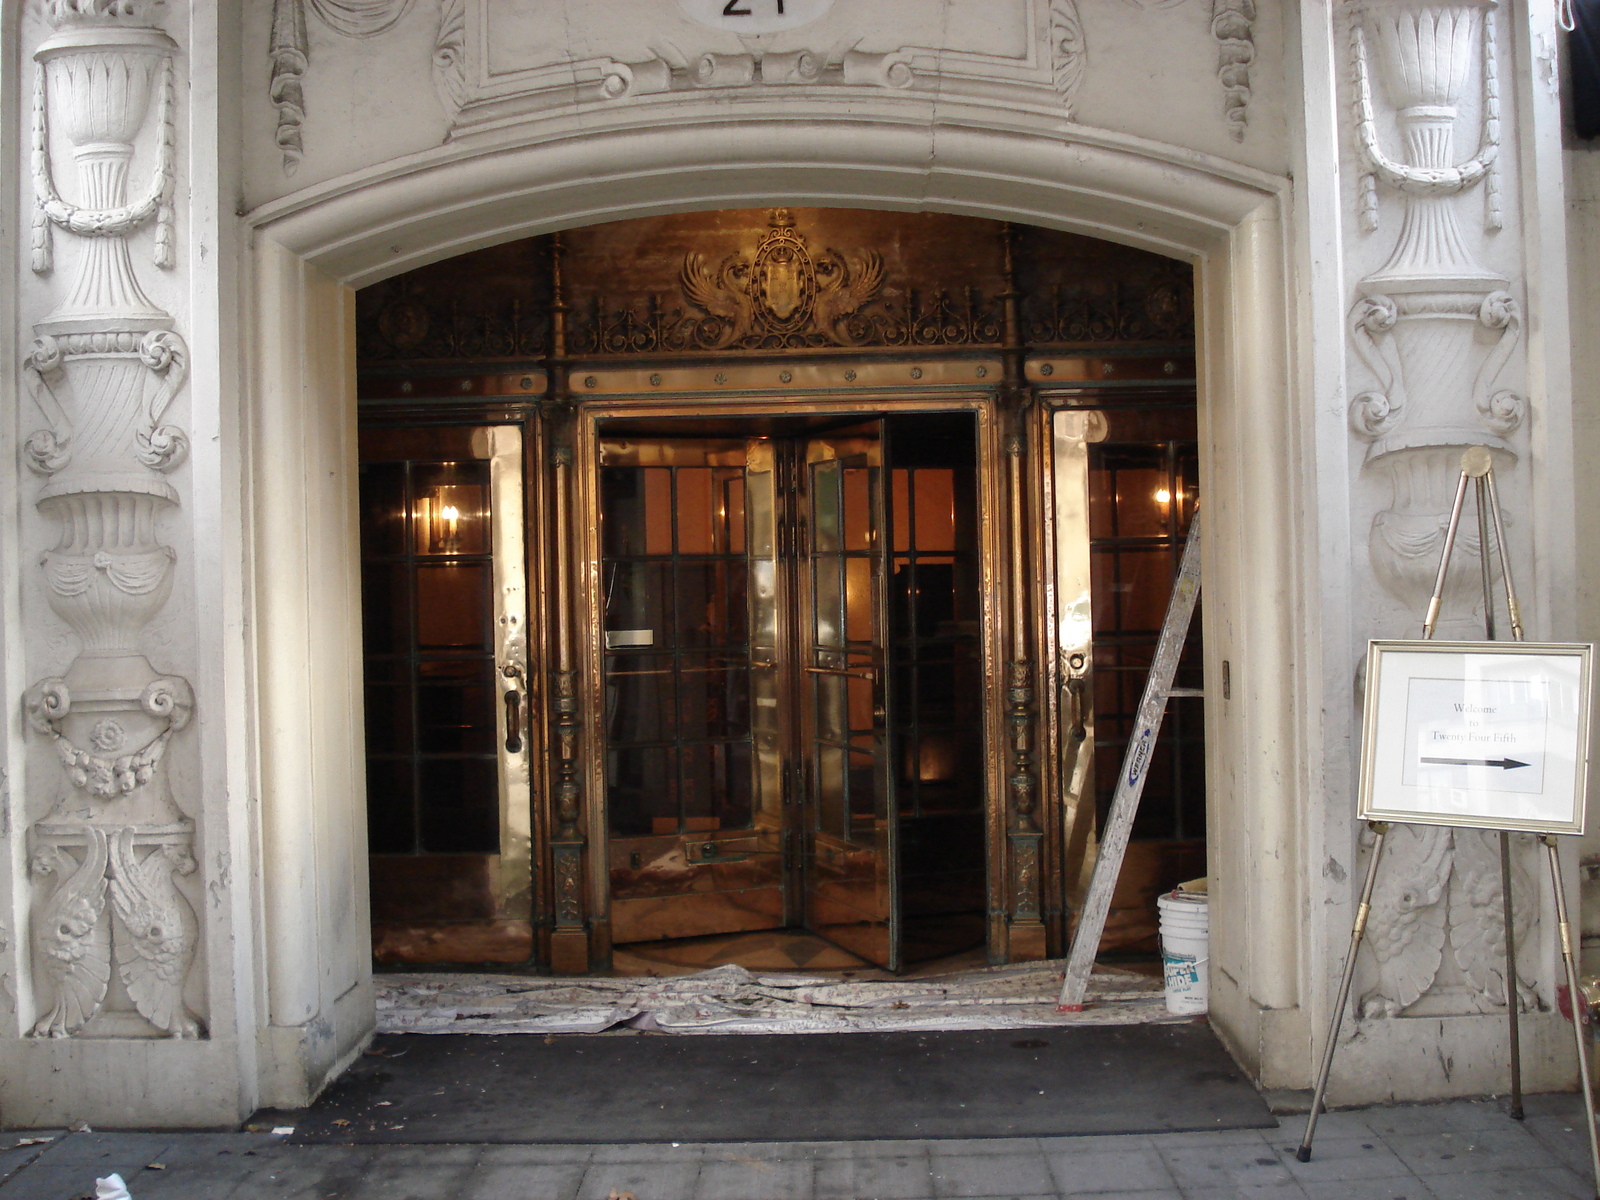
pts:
pixel 114 938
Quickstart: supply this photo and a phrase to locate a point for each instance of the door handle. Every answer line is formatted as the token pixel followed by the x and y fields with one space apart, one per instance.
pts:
pixel 513 721
pixel 868 673
pixel 1076 684
pixel 513 699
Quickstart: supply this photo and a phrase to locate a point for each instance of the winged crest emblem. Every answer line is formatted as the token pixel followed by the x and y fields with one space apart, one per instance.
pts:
pixel 783 295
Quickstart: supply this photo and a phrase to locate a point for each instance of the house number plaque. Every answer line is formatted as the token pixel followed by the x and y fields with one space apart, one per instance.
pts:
pixel 755 16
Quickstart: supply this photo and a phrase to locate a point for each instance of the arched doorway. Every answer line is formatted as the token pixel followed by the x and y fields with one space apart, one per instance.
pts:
pixel 831 667
pixel 311 249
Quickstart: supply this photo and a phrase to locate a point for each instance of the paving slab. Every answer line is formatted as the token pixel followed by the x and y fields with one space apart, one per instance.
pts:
pixel 546 1181
pixel 1459 1151
pixel 1401 1187
pixel 971 1175
pixel 1133 1167
pixel 898 1177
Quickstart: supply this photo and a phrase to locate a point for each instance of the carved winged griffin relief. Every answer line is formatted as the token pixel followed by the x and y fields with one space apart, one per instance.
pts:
pixel 150 930
pixel 1442 889
pixel 74 943
pixel 784 296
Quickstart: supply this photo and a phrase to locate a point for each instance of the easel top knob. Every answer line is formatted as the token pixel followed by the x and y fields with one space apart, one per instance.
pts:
pixel 1476 461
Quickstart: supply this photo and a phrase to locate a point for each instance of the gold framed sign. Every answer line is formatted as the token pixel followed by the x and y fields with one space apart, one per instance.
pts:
pixel 1488 735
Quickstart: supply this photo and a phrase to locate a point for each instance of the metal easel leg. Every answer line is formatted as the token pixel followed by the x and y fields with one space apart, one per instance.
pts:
pixel 1513 609
pixel 1437 600
pixel 1484 560
pixel 1357 931
pixel 1512 1002
pixel 1486 550
pixel 1578 1031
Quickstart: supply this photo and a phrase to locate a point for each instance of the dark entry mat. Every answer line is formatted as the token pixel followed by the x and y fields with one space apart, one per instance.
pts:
pixel 757 1088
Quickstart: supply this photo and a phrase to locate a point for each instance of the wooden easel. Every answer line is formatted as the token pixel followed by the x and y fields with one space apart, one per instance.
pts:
pixel 1477 466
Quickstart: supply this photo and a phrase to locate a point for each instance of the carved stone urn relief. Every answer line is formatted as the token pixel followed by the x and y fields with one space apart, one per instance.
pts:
pixel 1433 328
pixel 1433 331
pixel 113 936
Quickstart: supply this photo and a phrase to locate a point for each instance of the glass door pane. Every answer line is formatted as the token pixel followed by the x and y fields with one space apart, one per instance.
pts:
pixel 1126 486
pixel 936 679
pixel 693 781
pixel 444 614
pixel 851 834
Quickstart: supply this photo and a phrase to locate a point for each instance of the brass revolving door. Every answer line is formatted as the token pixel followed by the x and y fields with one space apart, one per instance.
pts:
pixel 793 682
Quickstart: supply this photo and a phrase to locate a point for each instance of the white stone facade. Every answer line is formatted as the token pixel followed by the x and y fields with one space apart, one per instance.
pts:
pixel 1372 195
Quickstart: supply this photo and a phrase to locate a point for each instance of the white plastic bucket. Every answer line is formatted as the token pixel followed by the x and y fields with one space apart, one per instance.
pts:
pixel 1185 953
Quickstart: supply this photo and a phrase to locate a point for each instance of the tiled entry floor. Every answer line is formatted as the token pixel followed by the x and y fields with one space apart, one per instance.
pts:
pixel 1456 1151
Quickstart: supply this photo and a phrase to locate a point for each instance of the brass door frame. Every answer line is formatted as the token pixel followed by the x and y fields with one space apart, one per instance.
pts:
pixel 508 495
pixel 994 524
pixel 1069 642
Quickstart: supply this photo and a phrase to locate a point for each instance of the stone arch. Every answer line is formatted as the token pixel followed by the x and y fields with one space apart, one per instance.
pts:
pixel 312 248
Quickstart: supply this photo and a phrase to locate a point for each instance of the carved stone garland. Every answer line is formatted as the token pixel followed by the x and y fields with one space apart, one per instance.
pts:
pixel 1434 329
pixel 290 52
pixel 1231 26
pixel 104 366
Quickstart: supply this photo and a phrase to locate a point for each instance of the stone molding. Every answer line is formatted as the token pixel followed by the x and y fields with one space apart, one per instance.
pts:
pixel 479 94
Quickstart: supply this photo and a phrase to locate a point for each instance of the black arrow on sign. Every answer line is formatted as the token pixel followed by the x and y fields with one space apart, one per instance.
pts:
pixel 1507 764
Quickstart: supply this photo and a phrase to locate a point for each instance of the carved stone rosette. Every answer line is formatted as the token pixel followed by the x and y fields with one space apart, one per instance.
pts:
pixel 104 366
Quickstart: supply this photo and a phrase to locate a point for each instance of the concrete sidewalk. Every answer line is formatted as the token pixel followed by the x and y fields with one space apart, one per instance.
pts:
pixel 1458 1151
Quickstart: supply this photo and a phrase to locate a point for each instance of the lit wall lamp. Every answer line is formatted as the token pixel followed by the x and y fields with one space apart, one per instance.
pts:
pixel 448 519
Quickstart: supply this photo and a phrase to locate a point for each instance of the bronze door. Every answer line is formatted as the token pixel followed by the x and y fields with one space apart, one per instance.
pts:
pixel 444 615
pixel 792 675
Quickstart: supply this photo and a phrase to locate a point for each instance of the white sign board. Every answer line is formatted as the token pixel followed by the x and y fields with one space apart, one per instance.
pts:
pixel 1491 735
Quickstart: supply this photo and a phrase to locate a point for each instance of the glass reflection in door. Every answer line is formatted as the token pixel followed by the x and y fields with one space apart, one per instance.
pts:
pixel 695 828
pixel 852 863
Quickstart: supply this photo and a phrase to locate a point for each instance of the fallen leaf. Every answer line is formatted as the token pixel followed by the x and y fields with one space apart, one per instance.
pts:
pixel 340 1121
pixel 155 1166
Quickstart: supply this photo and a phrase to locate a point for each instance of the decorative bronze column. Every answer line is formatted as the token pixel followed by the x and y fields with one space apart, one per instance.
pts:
pixel 569 941
pixel 1027 932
